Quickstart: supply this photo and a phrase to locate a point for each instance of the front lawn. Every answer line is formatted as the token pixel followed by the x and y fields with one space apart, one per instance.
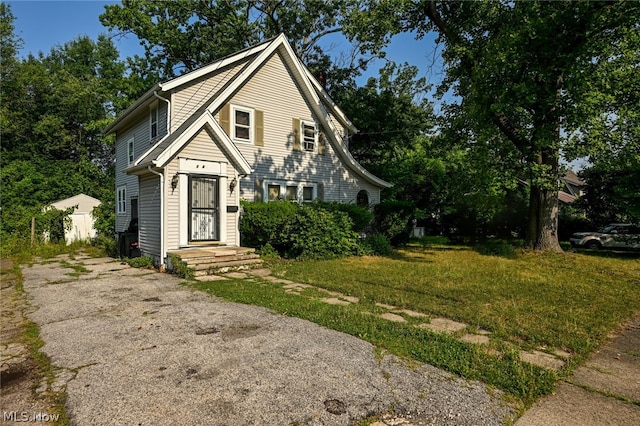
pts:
pixel 568 301
pixel 547 302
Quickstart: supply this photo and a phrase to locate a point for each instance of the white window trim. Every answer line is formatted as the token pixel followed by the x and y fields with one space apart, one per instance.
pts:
pixel 303 144
pixel 283 184
pixel 154 108
pixel 232 120
pixel 131 151
pixel 121 200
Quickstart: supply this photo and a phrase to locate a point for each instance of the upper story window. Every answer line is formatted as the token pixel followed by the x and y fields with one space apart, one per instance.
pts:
pixel 153 120
pixel 242 124
pixel 309 136
pixel 130 151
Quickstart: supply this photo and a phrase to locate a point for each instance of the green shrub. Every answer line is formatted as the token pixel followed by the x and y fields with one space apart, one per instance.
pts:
pixel 140 262
pixel 376 244
pixel 180 268
pixel 360 216
pixel 295 231
pixel 262 222
pixel 394 219
pixel 315 233
pixel 107 243
pixel 268 252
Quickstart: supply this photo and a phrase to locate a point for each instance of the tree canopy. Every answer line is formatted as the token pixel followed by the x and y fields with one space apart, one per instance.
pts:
pixel 183 35
pixel 532 77
pixel 53 109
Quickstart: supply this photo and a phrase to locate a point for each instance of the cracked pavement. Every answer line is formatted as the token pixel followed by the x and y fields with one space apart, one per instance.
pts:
pixel 135 347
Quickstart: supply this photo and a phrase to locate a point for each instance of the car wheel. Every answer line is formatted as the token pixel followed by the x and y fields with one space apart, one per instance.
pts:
pixel 594 245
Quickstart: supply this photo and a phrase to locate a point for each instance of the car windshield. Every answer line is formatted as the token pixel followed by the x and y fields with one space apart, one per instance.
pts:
pixel 607 229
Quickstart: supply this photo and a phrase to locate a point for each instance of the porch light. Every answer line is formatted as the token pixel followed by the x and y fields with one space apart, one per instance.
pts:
pixel 232 184
pixel 174 181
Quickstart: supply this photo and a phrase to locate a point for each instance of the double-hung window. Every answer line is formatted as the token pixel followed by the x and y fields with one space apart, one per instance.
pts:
pixel 309 136
pixel 121 207
pixel 130 151
pixel 153 120
pixel 242 125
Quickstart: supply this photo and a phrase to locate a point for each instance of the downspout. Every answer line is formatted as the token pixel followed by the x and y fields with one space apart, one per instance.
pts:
pixel 162 224
pixel 168 123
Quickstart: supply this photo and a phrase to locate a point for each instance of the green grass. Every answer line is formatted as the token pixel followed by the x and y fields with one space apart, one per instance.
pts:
pixel 567 301
pixel 527 300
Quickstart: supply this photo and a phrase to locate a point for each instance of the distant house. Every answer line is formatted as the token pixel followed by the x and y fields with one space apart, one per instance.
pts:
pixel 255 126
pixel 573 188
pixel 81 219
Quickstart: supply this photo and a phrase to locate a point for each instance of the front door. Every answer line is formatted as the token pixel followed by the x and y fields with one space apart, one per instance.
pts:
pixel 203 208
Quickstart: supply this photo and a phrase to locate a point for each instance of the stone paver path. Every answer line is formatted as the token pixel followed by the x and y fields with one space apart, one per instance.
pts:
pixel 554 361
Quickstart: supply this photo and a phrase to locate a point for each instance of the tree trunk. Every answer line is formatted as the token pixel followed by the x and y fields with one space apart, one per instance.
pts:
pixel 542 229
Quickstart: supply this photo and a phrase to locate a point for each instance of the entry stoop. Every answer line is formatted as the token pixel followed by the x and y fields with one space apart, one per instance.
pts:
pixel 214 260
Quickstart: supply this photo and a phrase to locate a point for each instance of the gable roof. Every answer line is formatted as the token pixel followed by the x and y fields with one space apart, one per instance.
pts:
pixel 159 154
pixel 83 203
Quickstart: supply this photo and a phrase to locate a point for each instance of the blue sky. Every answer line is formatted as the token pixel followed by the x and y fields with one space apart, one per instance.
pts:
pixel 45 24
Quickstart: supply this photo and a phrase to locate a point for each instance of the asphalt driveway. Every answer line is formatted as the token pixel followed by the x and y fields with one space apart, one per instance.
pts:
pixel 135 347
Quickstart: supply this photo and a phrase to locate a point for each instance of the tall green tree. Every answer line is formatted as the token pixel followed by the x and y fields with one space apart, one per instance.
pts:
pixel 53 109
pixel 183 35
pixel 525 73
pixel 391 113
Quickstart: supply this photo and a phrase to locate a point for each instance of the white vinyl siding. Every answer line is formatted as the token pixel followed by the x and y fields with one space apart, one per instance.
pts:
pixel 149 216
pixel 139 132
pixel 201 147
pixel 273 91
pixel 192 96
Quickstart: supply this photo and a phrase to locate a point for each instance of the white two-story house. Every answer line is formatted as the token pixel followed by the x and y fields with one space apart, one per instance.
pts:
pixel 255 126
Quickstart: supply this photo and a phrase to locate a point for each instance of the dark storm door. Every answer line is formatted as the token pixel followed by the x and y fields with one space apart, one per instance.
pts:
pixel 203 208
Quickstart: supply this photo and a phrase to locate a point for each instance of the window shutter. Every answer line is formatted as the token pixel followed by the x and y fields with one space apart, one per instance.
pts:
pixel 322 143
pixel 225 119
pixel 259 130
pixel 321 191
pixel 258 190
pixel 296 134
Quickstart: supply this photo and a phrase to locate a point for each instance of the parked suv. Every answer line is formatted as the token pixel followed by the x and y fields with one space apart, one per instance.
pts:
pixel 615 235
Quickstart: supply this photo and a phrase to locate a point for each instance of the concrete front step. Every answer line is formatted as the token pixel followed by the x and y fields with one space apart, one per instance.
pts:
pixel 202 264
pixel 234 265
pixel 212 260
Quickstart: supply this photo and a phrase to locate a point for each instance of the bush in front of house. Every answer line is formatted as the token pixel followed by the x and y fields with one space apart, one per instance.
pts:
pixel 376 245
pixel 360 216
pixel 298 231
pixel 394 219
pixel 315 233
pixel 262 222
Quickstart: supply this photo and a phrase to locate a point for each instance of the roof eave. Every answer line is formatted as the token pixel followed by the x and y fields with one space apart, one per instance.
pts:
pixel 128 113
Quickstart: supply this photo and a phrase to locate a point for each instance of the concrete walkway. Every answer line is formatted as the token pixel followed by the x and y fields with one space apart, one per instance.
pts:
pixel 604 391
pixel 134 347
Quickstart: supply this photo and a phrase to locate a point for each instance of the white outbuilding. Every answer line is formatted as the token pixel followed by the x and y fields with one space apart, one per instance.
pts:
pixel 82 219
